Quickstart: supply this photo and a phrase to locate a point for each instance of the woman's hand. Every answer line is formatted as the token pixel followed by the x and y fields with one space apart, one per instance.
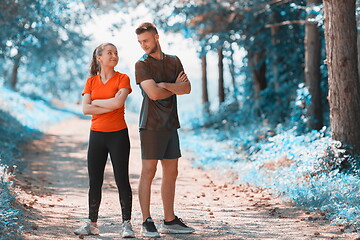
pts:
pixel 118 93
pixel 113 103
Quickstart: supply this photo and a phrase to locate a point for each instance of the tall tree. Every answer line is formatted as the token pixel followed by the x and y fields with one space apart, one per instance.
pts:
pixel 231 65
pixel 312 67
pixel 275 55
pixel 344 84
pixel 358 36
pixel 221 91
pixel 258 67
pixel 275 41
pixel 205 96
pixel 15 69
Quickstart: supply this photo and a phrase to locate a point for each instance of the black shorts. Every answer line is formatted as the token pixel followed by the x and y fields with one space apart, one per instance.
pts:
pixel 159 144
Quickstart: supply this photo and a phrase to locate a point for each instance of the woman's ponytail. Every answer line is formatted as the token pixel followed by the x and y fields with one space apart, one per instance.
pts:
pixel 95 66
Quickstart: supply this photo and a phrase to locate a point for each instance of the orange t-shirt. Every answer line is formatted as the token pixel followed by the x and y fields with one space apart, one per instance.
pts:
pixel 114 120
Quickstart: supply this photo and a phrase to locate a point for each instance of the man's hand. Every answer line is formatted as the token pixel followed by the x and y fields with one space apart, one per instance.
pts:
pixel 182 77
pixel 179 87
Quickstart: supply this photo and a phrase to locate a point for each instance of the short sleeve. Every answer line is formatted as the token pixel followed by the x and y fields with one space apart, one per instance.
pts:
pixel 87 88
pixel 125 82
pixel 142 72
pixel 179 65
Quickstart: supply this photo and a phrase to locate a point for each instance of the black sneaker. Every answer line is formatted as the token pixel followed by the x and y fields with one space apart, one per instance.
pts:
pixel 148 229
pixel 175 226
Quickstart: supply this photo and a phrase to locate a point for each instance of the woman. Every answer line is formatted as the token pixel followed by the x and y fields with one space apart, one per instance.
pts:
pixel 104 96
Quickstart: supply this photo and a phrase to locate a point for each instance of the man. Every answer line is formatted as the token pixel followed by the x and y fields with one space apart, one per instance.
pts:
pixel 161 77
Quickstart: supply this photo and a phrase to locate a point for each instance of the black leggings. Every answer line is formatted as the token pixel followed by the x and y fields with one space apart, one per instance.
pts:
pixel 118 145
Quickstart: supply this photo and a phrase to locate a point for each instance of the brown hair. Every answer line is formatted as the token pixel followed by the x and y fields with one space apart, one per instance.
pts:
pixel 95 66
pixel 146 27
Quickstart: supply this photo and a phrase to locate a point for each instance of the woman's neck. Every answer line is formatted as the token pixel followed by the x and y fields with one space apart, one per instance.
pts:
pixel 106 74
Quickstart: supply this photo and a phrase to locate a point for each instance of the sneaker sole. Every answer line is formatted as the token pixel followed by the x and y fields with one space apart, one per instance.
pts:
pixel 150 235
pixel 175 231
pixel 87 234
pixel 128 235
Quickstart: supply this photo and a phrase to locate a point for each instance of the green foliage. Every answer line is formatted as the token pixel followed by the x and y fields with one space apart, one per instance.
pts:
pixel 37 35
pixel 10 216
pixel 40 31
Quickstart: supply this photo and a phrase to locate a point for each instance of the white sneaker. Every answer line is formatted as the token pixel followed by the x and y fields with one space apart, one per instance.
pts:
pixel 127 231
pixel 87 229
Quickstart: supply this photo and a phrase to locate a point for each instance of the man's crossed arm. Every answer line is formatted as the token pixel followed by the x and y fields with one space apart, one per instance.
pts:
pixel 157 91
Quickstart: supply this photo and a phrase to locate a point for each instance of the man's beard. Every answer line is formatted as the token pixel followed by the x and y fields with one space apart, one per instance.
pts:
pixel 153 50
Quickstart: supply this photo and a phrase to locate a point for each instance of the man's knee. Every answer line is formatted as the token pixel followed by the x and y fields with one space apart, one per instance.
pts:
pixel 148 171
pixel 170 174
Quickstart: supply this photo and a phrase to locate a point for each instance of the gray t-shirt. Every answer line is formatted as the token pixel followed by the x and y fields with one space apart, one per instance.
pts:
pixel 160 114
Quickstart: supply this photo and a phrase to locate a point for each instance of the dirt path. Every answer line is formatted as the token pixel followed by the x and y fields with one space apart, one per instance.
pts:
pixel 55 192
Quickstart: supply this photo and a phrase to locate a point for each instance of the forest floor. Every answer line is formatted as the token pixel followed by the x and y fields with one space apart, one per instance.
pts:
pixel 54 189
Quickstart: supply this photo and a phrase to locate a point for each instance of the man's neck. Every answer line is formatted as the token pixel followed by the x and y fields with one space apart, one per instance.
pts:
pixel 159 55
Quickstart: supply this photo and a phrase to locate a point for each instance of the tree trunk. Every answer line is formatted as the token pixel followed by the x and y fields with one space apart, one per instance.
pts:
pixel 258 67
pixel 312 70
pixel 344 85
pixel 221 76
pixel 358 44
pixel 232 73
pixel 358 35
pixel 205 95
pixel 14 74
pixel 276 61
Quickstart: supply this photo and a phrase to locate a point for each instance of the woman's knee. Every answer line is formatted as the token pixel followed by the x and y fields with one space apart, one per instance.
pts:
pixel 95 184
